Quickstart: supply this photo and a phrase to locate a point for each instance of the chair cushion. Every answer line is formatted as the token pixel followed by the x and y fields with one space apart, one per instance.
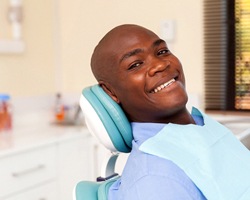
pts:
pixel 110 115
pixel 88 190
pixel 104 189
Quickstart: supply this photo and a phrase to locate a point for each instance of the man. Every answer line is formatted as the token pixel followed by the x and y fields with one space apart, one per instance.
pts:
pixel 136 68
pixel 138 71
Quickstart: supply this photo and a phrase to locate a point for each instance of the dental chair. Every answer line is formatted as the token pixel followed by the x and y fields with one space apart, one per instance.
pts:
pixel 107 122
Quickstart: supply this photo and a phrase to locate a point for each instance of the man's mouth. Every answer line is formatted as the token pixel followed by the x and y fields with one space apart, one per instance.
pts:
pixel 162 86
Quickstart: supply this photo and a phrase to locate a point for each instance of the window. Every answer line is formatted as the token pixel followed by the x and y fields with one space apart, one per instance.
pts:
pixel 242 54
pixel 227 54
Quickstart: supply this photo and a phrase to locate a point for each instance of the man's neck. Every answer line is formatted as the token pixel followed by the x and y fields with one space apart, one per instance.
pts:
pixel 181 117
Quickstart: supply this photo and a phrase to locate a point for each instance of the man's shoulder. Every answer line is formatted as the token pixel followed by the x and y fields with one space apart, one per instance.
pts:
pixel 140 165
pixel 146 174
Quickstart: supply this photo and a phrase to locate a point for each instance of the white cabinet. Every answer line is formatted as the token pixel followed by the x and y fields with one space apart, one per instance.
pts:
pixel 45 192
pixel 24 170
pixel 47 167
pixel 74 164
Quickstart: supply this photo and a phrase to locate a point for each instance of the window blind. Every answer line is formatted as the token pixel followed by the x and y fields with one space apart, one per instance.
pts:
pixel 215 54
pixel 242 54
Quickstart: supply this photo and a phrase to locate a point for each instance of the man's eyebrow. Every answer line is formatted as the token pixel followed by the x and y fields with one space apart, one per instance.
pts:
pixel 130 53
pixel 136 51
pixel 158 42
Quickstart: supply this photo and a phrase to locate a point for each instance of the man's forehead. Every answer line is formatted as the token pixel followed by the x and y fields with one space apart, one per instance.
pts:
pixel 124 38
pixel 120 42
pixel 124 32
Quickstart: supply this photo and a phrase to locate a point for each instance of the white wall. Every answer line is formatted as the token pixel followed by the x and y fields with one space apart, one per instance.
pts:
pixel 31 72
pixel 61 35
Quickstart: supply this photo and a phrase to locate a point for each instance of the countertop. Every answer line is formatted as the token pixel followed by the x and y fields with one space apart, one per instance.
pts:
pixel 18 140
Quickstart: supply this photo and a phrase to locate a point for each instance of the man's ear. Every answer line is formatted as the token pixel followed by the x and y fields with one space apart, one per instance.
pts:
pixel 109 91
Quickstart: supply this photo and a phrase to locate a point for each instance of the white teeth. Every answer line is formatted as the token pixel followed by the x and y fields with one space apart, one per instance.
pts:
pixel 159 88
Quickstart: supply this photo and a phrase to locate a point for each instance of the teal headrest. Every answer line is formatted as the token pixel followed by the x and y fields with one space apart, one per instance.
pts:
pixel 108 119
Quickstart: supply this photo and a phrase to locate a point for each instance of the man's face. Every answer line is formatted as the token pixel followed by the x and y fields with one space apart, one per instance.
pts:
pixel 147 79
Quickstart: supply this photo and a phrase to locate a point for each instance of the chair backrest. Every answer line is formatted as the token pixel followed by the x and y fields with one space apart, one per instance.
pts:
pixel 105 120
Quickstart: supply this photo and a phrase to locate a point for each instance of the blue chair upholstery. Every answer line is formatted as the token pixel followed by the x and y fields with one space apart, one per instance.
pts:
pixel 110 115
pixel 105 120
pixel 87 190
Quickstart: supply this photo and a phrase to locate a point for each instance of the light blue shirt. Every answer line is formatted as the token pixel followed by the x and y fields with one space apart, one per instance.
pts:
pixel 148 177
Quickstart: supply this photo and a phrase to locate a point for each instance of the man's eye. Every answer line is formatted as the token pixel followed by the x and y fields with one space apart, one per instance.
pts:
pixel 164 51
pixel 135 65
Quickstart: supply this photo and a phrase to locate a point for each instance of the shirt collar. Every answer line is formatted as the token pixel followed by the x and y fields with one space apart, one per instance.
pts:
pixel 143 131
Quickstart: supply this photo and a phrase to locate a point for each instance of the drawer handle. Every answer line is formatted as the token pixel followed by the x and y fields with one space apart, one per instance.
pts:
pixel 28 171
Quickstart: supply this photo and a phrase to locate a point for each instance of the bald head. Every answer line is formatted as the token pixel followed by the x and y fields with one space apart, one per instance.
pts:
pixel 105 57
pixel 137 70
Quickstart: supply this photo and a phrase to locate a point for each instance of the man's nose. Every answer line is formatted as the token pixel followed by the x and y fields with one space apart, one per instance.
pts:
pixel 159 66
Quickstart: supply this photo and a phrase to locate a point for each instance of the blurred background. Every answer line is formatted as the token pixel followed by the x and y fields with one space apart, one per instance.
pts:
pixel 59 37
pixel 45 50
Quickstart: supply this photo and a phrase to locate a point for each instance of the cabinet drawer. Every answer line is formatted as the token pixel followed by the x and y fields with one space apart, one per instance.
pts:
pixel 46 192
pixel 24 170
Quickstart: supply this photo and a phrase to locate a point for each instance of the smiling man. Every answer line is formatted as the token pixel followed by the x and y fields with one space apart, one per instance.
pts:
pixel 136 68
pixel 138 71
